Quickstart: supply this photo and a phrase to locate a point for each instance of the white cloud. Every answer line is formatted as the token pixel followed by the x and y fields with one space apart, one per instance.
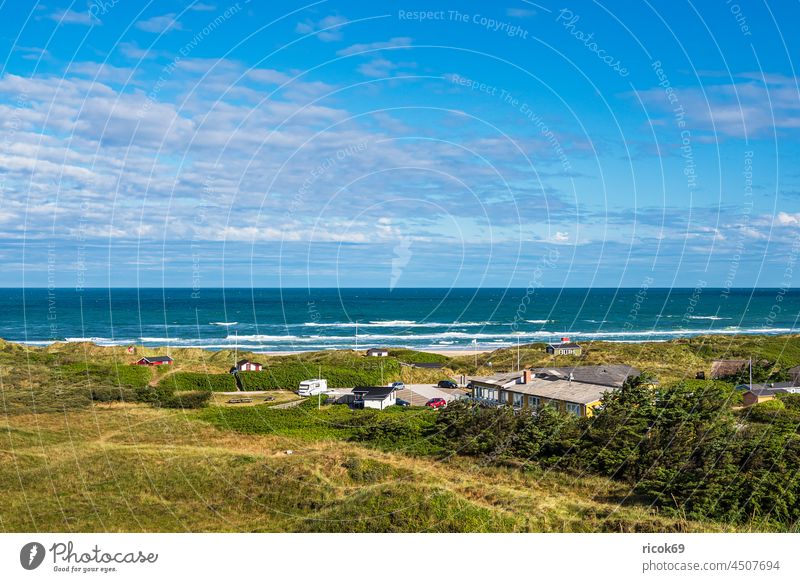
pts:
pixel 160 24
pixel 788 219
pixel 377 68
pixel 73 17
pixel 751 106
pixel 398 41
pixel 328 29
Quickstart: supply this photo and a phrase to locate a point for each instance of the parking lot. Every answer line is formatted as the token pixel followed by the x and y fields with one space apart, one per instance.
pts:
pixel 419 394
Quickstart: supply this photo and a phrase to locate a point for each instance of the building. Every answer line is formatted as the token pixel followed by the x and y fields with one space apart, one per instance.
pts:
pixel 726 368
pixel 153 361
pixel 378 397
pixel 378 352
pixel 565 348
pixel 248 366
pixel 757 393
pixel 577 390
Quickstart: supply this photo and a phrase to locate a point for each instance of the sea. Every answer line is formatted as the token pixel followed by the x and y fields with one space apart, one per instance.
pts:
pixel 293 319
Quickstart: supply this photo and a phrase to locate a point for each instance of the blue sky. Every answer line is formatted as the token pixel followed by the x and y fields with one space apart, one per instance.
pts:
pixel 392 144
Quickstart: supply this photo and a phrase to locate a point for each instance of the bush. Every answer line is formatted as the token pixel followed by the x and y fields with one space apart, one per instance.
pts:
pixel 345 374
pixel 790 401
pixel 154 394
pixel 104 375
pixel 415 357
pixel 766 411
pixel 189 381
pixel 113 394
pixel 186 400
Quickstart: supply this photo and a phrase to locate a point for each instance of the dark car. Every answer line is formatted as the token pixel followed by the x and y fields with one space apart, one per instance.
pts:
pixel 436 403
pixel 401 402
pixel 447 384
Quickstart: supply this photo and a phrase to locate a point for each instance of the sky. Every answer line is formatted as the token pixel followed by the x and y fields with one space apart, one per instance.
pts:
pixel 399 144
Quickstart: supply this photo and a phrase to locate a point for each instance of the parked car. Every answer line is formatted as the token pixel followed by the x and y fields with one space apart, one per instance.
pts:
pixel 436 403
pixel 398 386
pixel 401 402
pixel 447 384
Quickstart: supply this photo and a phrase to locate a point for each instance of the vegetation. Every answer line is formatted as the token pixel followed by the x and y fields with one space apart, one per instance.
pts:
pixel 199 381
pixel 678 456
pixel 683 448
pixel 132 468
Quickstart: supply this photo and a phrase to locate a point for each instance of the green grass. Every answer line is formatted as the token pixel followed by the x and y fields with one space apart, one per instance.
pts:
pixel 396 428
pixel 70 464
pixel 130 468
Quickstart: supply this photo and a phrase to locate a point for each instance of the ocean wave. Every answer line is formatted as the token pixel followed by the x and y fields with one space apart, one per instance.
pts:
pixel 280 338
pixel 224 323
pixel 402 323
pixel 449 338
pixel 100 341
pixel 539 320
pixel 709 317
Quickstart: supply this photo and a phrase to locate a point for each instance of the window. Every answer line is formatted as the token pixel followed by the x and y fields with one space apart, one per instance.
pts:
pixel 517 400
pixel 574 408
pixel 533 402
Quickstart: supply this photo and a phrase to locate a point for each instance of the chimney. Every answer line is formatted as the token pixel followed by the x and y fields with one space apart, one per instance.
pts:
pixel 527 376
pixel 564 340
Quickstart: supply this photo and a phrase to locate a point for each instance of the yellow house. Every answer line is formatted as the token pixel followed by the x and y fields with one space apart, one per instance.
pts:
pixel 577 390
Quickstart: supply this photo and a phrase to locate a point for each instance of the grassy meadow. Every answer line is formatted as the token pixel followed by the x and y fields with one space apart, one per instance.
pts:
pixel 90 443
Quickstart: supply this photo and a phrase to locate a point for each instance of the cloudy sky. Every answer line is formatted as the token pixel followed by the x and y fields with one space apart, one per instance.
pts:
pixel 399 144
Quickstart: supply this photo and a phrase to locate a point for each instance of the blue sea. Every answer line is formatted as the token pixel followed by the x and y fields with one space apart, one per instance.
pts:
pixel 302 319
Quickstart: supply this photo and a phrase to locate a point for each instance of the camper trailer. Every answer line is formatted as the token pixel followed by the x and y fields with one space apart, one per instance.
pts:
pixel 313 387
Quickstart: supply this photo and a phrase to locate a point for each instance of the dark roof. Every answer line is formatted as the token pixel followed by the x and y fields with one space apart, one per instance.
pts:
pixel 378 350
pixel 373 392
pixel 605 375
pixel 242 362
pixel 570 345
pixel 157 358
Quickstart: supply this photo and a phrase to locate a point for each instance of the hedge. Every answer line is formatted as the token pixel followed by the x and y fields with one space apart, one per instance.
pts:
pixel 193 399
pixel 415 357
pixel 289 375
pixel 187 381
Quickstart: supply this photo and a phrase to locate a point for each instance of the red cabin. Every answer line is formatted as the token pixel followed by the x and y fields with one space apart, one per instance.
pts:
pixel 153 361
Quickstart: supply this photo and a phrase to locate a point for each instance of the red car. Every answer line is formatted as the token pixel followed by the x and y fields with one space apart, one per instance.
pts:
pixel 436 403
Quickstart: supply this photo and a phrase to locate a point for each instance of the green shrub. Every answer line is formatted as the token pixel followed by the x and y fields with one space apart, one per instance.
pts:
pixel 113 394
pixel 188 381
pixel 103 374
pixel 345 374
pixel 415 357
pixel 790 401
pixel 186 400
pixel 367 470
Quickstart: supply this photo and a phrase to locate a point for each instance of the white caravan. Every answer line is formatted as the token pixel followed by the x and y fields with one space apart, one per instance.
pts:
pixel 313 387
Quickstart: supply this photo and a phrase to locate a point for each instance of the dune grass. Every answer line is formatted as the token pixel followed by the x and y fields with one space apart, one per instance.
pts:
pixel 123 467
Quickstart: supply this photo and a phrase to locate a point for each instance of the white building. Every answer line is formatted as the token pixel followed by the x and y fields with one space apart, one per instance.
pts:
pixel 378 397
